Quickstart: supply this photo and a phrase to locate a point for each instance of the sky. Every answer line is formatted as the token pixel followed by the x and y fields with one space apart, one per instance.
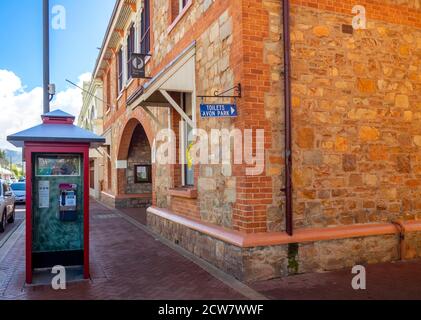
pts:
pixel 73 52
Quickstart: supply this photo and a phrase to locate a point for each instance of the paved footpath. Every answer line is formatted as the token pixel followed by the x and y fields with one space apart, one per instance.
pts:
pixel 126 263
pixel 386 281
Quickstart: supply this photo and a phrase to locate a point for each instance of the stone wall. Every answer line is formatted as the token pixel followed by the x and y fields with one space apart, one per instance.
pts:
pixel 216 184
pixel 356 111
pixel 139 154
pixel 133 202
pixel 356 120
pixel 121 202
pixel 262 263
pixel 107 199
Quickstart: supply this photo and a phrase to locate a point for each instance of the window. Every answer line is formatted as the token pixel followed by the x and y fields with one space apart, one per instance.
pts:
pixel 108 84
pixel 145 29
pixel 143 174
pixel 120 69
pixel 182 5
pixel 58 165
pixel 18 186
pixel 92 174
pixel 188 169
pixel 130 50
pixel 109 174
pixel 177 7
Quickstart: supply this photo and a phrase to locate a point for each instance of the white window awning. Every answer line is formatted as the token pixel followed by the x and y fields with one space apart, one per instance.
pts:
pixel 177 76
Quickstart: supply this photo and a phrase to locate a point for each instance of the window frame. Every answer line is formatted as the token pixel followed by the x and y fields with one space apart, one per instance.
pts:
pixel 181 5
pixel 130 48
pixel 185 143
pixel 145 28
pixel 92 174
pixel 149 173
pixel 109 168
pixel 175 19
pixel 120 69
pixel 109 94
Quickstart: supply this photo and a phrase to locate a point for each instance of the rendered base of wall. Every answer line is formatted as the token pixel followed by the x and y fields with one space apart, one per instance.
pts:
pixel 126 201
pixel 275 261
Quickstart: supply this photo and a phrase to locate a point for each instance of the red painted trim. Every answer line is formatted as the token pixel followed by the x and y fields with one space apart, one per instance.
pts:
pixel 48 120
pixel 86 213
pixel 28 242
pixel 37 147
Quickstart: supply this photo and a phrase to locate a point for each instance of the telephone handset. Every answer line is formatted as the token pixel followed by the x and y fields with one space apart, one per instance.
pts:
pixel 68 202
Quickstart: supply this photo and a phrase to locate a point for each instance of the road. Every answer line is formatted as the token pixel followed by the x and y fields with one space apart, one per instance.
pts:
pixel 20 217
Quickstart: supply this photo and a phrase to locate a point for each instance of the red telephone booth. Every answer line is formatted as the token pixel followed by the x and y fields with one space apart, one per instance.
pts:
pixel 57 193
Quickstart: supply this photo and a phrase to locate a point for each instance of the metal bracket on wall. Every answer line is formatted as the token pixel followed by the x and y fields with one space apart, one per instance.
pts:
pixel 236 89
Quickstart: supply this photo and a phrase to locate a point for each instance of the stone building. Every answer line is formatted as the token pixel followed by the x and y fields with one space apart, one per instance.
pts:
pixel 90 118
pixel 355 118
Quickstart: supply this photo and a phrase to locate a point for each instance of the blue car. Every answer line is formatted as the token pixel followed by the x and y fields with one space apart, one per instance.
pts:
pixel 19 190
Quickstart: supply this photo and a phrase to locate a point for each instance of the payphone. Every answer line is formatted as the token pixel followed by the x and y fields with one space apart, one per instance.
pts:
pixel 57 194
pixel 68 202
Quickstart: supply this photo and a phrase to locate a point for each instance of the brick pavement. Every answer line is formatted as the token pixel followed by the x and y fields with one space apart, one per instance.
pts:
pixel 387 281
pixel 126 263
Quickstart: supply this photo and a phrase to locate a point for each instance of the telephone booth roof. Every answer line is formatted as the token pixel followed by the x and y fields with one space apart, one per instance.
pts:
pixel 57 126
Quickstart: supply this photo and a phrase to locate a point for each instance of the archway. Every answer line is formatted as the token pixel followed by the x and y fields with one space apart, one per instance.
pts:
pixel 134 167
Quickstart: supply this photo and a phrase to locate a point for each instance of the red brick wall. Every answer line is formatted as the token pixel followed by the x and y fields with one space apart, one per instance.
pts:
pixel 390 10
pixel 251 207
pixel 174 11
pixel 185 207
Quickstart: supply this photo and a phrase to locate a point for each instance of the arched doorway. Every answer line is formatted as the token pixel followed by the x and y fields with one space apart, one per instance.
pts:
pixel 134 171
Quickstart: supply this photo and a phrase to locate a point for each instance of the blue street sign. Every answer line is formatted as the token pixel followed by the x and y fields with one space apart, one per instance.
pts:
pixel 218 110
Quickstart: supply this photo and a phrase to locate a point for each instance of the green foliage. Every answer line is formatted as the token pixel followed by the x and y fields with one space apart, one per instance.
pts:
pixel 18 172
pixel 7 163
pixel 293 265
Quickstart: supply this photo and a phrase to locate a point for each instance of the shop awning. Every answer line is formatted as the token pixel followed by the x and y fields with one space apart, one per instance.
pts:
pixel 177 76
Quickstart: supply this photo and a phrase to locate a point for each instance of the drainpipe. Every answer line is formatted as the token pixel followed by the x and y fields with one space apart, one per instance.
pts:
pixel 288 124
pixel 401 230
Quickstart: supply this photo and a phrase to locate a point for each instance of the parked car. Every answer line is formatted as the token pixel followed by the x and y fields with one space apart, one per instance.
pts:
pixel 7 205
pixel 19 190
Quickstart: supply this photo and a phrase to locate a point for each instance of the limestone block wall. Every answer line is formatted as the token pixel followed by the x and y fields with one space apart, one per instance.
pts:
pixel 275 261
pixel 139 154
pixel 356 117
pixel 216 183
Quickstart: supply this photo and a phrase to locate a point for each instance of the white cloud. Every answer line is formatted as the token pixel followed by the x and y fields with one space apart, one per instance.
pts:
pixel 21 109
pixel 70 100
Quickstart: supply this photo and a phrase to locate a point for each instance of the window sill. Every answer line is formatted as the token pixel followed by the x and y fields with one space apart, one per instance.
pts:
pixel 186 192
pixel 179 17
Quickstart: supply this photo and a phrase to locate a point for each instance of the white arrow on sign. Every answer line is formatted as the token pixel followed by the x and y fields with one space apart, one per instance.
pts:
pixel 138 63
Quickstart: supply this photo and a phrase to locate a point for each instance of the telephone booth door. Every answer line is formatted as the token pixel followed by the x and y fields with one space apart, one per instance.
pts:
pixel 57 207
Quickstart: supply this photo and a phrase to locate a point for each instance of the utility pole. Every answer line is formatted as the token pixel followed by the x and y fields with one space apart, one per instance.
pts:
pixel 46 55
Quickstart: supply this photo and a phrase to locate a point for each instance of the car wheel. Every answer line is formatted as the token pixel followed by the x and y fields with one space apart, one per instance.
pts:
pixel 12 217
pixel 3 223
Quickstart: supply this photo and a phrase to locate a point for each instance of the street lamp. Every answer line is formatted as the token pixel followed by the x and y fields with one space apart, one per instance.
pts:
pixel 46 55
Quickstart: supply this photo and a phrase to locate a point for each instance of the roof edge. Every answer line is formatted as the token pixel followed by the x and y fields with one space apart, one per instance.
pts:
pixel 114 16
